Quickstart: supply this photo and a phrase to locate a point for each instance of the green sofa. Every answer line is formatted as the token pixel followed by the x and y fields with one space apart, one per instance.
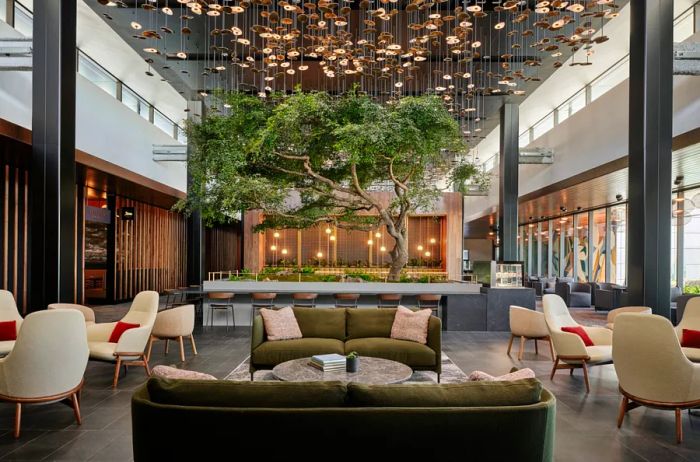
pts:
pixel 222 420
pixel 342 330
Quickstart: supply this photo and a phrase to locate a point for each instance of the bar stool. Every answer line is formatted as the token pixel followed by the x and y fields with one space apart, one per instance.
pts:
pixel 304 300
pixel 389 300
pixel 224 302
pixel 261 300
pixel 430 302
pixel 346 300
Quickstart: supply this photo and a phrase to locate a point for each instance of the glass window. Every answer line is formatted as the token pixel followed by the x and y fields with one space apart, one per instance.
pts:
pixel 618 244
pixel 23 20
pixel 567 228
pixel 618 73
pixel 543 126
pixel 181 135
pixel 597 245
pixel 556 247
pixel 162 122
pixel 683 26
pixel 131 99
pixel 572 106
pixel 583 247
pixel 691 241
pixel 3 13
pixel 524 139
pixel 95 74
pixel 544 248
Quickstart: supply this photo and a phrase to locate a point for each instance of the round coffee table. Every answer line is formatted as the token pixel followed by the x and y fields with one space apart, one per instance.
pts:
pixel 373 371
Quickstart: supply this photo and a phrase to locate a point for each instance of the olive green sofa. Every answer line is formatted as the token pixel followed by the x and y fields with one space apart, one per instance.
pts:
pixel 342 330
pixel 223 420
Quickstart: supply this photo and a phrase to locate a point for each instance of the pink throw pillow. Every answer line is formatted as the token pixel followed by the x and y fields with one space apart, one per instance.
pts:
pixel 280 324
pixel 411 325
pixel 479 376
pixel 168 372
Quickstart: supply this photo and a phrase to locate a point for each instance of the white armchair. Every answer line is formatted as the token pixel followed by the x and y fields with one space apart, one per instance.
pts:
pixel 571 352
pixel 47 363
pixel 88 313
pixel 174 324
pixel 8 312
pixel 129 351
pixel 528 325
pixel 654 372
pixel 612 314
pixel 691 320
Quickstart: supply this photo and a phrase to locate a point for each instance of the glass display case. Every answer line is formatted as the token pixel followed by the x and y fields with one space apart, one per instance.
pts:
pixel 501 274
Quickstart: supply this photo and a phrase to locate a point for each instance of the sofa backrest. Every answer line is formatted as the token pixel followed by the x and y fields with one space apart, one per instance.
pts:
pixel 370 322
pixel 321 322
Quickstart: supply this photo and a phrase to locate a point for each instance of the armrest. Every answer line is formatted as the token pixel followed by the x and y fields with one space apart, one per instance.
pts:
pixel 599 335
pixel 581 287
pixel 134 340
pixel 100 332
pixel 568 344
pixel 435 338
pixel 258 333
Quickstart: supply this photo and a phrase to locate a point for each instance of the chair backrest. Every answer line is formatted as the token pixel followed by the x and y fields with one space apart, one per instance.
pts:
pixel 612 314
pixel 691 315
pixel 88 313
pixel 556 314
pixel 175 322
pixel 527 322
pixel 8 308
pixel 49 357
pixel 648 358
pixel 143 309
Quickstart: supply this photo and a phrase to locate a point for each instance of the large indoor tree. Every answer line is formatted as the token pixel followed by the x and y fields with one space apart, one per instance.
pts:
pixel 312 158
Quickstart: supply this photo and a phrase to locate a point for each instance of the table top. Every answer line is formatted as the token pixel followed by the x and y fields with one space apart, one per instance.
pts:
pixel 372 371
pixel 363 288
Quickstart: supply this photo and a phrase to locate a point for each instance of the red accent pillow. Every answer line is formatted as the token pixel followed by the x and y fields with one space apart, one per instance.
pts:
pixel 8 330
pixel 119 329
pixel 581 332
pixel 690 338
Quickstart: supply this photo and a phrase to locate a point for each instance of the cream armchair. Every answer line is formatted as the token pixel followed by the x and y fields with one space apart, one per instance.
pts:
pixel 654 372
pixel 570 350
pixel 129 351
pixel 612 314
pixel 88 313
pixel 47 363
pixel 8 312
pixel 528 325
pixel 691 320
pixel 174 324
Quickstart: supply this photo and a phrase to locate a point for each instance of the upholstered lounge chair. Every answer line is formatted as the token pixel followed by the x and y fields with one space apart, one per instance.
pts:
pixel 690 320
pixel 528 325
pixel 654 372
pixel 8 312
pixel 612 314
pixel 88 313
pixel 129 351
pixel 174 324
pixel 571 352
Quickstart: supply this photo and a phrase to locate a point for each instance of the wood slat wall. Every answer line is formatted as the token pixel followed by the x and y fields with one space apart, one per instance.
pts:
pixel 151 251
pixel 14 216
pixel 223 248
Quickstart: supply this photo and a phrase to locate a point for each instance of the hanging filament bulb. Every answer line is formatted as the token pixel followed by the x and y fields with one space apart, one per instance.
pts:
pixel 276 235
pixel 284 251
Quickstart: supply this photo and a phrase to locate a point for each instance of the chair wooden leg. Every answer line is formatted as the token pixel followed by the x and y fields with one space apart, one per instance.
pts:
pixel 571 371
pixel 551 348
pixel 117 367
pixel 145 366
pixel 536 352
pixel 150 346
pixel 182 349
pixel 679 426
pixel 585 376
pixel 522 348
pixel 194 347
pixel 167 343
pixel 623 411
pixel 76 408
pixel 554 368
pixel 18 419
pixel 510 344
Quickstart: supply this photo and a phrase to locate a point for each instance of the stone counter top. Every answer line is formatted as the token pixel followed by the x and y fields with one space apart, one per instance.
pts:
pixel 363 288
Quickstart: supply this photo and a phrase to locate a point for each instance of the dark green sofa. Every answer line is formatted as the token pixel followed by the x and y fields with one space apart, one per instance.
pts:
pixel 220 420
pixel 342 330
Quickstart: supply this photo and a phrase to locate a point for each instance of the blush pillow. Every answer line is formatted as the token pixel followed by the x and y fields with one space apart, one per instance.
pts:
pixel 168 372
pixel 581 332
pixel 119 329
pixel 517 374
pixel 8 330
pixel 411 325
pixel 280 324
pixel 690 338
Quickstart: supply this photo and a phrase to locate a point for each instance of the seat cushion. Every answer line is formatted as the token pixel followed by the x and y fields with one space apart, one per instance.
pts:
pixel 6 346
pixel 321 322
pixel 221 393
pixel 410 353
pixel 597 353
pixel 273 353
pixel 468 394
pixel 692 354
pixel 105 351
pixel 580 299
pixel 372 322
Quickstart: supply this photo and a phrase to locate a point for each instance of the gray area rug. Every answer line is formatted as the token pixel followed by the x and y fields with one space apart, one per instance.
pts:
pixel 450 374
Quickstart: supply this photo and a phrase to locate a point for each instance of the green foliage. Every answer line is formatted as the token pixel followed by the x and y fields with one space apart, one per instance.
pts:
pixel 360 275
pixel 353 355
pixel 307 270
pixel 691 289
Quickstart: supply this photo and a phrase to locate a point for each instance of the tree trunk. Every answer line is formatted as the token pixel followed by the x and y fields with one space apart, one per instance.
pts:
pixel 399 257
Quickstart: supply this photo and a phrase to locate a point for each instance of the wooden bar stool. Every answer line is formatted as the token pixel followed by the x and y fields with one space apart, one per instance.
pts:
pixel 389 300
pixel 224 301
pixel 346 300
pixel 430 302
pixel 304 300
pixel 261 300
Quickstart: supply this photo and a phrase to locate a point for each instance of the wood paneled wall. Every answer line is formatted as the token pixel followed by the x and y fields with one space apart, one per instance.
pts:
pixel 151 251
pixel 14 218
pixel 223 248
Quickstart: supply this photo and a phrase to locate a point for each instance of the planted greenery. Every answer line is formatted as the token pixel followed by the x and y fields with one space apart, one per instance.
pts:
pixel 311 158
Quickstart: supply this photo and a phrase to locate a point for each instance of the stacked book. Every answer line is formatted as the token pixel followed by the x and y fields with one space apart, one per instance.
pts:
pixel 328 363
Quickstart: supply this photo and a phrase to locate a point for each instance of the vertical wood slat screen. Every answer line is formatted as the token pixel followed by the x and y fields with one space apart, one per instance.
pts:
pixel 14 217
pixel 151 250
pixel 223 248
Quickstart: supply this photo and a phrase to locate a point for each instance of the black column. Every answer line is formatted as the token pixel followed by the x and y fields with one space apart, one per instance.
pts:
pixel 508 183
pixel 52 227
pixel 650 136
pixel 195 228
